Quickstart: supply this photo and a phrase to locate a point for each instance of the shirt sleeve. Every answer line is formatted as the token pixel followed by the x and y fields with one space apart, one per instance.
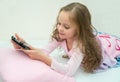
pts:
pixel 50 47
pixel 70 67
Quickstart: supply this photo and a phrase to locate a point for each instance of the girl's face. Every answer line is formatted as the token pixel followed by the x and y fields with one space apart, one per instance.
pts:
pixel 67 29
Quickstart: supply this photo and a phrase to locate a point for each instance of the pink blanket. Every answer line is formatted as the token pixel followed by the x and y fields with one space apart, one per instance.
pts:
pixel 15 66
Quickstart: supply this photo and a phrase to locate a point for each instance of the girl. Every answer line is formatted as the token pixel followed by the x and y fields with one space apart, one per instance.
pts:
pixel 83 45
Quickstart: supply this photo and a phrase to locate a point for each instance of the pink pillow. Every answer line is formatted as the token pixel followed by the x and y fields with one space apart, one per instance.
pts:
pixel 15 66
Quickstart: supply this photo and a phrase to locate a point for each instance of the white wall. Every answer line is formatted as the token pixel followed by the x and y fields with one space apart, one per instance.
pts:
pixel 34 19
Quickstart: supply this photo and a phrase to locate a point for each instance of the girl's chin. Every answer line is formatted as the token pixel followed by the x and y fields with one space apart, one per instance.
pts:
pixel 62 38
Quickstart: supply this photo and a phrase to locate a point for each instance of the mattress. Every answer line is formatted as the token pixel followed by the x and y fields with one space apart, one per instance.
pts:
pixel 111 75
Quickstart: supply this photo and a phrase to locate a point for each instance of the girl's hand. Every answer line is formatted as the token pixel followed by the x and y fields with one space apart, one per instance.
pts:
pixel 34 53
pixel 16 46
pixel 37 54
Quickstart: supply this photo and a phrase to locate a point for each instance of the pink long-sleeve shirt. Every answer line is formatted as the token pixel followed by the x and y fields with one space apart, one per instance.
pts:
pixel 110 49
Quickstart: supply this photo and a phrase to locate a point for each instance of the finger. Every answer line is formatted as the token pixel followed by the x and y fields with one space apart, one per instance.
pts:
pixel 27 51
pixel 16 46
pixel 31 47
pixel 19 38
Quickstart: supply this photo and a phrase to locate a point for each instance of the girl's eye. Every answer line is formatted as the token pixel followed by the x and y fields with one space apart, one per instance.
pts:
pixel 58 23
pixel 66 27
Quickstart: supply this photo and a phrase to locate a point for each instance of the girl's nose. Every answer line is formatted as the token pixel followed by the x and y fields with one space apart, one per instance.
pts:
pixel 60 28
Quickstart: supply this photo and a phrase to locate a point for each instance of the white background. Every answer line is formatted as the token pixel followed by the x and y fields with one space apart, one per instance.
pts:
pixel 34 19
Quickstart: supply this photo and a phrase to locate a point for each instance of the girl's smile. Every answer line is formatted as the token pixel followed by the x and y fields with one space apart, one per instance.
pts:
pixel 61 34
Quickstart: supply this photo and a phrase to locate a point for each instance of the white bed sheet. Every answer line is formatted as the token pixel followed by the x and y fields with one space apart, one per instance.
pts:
pixel 111 75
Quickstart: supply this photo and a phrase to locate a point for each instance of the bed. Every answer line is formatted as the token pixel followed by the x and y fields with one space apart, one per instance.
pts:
pixel 111 75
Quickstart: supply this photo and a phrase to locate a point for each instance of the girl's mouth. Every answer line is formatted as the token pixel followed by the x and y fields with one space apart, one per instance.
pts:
pixel 61 33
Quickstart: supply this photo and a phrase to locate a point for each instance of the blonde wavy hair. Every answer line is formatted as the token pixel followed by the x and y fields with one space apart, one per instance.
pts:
pixel 90 46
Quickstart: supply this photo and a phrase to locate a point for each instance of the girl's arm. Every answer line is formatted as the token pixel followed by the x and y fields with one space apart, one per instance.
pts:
pixel 70 67
pixel 50 46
